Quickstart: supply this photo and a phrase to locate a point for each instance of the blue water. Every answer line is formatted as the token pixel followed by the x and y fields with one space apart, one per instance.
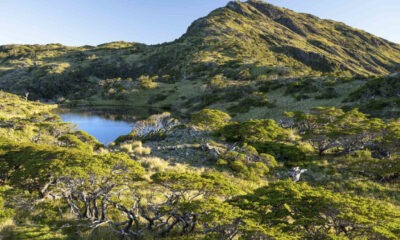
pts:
pixel 103 129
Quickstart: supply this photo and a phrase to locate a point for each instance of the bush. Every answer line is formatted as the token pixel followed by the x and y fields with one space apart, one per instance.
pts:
pixel 301 86
pixel 211 119
pixel 328 93
pixel 72 141
pixel 258 168
pixel 123 138
pixel 147 82
pixel 291 154
pixel 254 131
pixel 239 167
pixel 246 163
pixel 217 82
pixel 269 160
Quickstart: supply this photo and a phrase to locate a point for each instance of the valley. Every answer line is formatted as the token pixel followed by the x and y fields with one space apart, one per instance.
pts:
pixel 257 123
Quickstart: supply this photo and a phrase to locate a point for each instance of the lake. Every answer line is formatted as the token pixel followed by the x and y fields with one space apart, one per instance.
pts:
pixel 104 124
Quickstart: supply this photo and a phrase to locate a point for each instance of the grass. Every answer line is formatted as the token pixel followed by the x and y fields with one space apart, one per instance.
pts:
pixel 287 103
pixel 28 232
pixel 247 50
pixel 243 45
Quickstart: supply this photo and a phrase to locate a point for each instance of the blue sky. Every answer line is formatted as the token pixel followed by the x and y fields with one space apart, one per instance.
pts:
pixel 92 22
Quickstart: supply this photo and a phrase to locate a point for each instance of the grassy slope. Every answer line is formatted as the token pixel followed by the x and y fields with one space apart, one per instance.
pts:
pixel 228 41
pixel 248 43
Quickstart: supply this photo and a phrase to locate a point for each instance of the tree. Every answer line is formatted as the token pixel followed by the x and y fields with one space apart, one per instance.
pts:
pixel 388 141
pixel 354 130
pixel 286 209
pixel 26 96
pixel 38 168
pixel 316 126
pixel 327 128
pixel 174 203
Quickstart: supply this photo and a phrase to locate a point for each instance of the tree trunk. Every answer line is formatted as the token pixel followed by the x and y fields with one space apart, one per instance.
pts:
pixel 95 209
pixel 103 207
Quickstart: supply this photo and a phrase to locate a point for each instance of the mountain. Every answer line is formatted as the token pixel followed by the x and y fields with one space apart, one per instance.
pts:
pixel 260 34
pixel 265 137
pixel 243 44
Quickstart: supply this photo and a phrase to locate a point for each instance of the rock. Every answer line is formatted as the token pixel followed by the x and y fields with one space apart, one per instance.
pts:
pixel 295 173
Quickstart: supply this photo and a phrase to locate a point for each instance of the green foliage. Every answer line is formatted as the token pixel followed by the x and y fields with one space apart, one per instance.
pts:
pixel 243 41
pixel 286 152
pixel 61 186
pixel 256 99
pixel 328 93
pixel 32 166
pixel 210 119
pixel 207 184
pixel 286 208
pixel 73 141
pixel 331 128
pixel 247 163
pixel 124 138
pixel 147 82
pixel 117 88
pixel 6 212
pixel 269 160
pixel 378 97
pixel 254 131
pixel 49 171
pixel 301 86
pixel 217 82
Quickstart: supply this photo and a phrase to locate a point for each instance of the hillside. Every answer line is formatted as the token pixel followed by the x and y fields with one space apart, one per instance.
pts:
pixel 271 124
pixel 378 97
pixel 207 178
pixel 272 39
pixel 239 46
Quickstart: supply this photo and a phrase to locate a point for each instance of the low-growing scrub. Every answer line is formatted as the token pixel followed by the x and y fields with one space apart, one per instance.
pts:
pixel 210 119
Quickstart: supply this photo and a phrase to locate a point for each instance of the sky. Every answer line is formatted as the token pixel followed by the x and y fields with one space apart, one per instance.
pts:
pixel 93 22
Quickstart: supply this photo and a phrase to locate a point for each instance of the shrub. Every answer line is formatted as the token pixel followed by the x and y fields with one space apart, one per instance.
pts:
pixel 72 141
pixel 328 93
pixel 123 138
pixel 258 168
pixel 291 154
pixel 301 86
pixel 157 98
pixel 211 119
pixel 254 131
pixel 269 160
pixel 147 82
pixel 245 163
pixel 217 82
pixel 239 167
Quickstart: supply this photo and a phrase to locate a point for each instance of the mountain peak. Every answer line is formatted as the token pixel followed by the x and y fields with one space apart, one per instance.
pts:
pixel 260 33
pixel 252 6
pixel 251 40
